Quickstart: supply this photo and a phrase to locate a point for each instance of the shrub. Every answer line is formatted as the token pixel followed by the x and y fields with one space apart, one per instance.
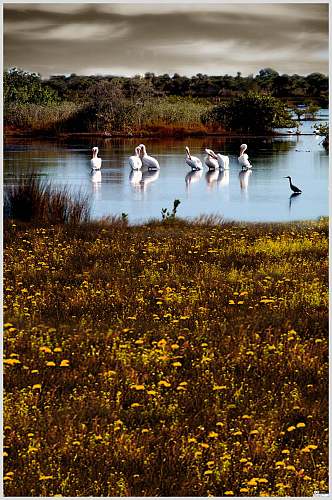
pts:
pixel 251 112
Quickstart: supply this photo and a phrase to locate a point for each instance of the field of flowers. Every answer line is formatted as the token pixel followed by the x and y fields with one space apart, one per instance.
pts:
pixel 170 359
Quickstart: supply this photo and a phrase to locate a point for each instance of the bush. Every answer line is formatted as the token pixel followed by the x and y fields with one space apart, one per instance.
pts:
pixel 251 112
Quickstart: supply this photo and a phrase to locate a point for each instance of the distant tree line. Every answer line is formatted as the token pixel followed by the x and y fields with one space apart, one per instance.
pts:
pixel 22 87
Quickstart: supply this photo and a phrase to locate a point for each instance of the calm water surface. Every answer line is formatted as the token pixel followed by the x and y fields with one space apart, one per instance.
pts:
pixel 260 195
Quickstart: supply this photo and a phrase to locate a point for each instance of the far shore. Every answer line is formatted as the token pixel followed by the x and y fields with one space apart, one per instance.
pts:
pixel 176 133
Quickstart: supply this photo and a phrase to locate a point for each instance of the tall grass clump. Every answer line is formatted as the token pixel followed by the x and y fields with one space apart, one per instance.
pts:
pixel 34 117
pixel 30 199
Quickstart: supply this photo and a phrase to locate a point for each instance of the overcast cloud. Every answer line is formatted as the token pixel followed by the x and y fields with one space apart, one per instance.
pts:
pixel 126 39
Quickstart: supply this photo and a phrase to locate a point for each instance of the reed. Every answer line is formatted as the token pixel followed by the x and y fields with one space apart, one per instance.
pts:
pixel 31 199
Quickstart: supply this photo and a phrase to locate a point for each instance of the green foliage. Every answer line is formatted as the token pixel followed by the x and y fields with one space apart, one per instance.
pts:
pixel 251 113
pixel 166 215
pixel 22 87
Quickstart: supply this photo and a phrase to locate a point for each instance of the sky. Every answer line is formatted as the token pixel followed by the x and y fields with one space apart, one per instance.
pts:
pixel 129 39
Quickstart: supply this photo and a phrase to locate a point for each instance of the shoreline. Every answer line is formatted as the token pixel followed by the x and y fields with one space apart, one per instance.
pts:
pixel 107 135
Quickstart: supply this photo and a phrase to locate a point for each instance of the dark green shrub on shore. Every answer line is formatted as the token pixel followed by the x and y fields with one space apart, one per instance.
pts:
pixel 250 113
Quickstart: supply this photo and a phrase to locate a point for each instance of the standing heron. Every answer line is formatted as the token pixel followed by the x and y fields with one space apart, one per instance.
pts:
pixel 95 161
pixel 148 161
pixel 193 162
pixel 291 185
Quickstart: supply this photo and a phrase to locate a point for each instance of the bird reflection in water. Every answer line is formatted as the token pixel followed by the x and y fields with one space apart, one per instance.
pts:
pixel 223 178
pixel 211 178
pixel 148 177
pixel 192 177
pixel 96 181
pixel 244 180
pixel 135 178
pixel 291 199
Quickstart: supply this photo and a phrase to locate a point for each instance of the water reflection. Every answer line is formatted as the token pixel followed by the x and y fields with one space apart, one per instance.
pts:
pixel 135 177
pixel 148 177
pixel 291 200
pixel 192 177
pixel 211 178
pixel 96 182
pixel 223 178
pixel 244 176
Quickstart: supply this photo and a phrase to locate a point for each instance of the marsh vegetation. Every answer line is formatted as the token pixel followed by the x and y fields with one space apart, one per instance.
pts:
pixel 173 358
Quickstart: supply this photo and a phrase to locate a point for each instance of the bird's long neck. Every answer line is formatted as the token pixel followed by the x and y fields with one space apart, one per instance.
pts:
pixel 290 181
pixel 94 153
pixel 188 153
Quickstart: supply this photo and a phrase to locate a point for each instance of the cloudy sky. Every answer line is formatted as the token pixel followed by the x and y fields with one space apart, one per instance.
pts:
pixel 128 39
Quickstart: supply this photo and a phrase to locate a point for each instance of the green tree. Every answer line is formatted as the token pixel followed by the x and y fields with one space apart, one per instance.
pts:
pixel 23 87
pixel 251 112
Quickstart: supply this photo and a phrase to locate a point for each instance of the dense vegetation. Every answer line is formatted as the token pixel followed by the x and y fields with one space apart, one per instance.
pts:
pixel 150 104
pixel 166 359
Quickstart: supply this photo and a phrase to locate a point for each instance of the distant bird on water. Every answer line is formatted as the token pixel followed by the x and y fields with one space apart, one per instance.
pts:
pixel 95 161
pixel 148 161
pixel 243 158
pixel 293 188
pixel 193 162
pixel 135 161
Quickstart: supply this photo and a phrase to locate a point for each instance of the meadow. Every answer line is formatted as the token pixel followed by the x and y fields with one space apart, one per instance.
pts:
pixel 168 359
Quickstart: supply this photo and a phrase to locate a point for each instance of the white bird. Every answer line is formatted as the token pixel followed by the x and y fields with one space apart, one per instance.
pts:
pixel 223 160
pixel 135 161
pixel 193 162
pixel 148 161
pixel 210 160
pixel 243 158
pixel 95 161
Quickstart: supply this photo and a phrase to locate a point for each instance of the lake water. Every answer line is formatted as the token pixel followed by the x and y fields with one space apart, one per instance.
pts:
pixel 260 195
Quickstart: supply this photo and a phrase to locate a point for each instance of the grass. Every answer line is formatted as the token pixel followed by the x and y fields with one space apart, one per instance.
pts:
pixel 169 116
pixel 31 199
pixel 171 359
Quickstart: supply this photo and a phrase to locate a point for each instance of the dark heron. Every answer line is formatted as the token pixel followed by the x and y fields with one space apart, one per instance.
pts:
pixel 293 188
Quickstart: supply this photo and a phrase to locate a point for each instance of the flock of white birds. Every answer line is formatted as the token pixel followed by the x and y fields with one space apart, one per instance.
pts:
pixel 141 159
pixel 214 161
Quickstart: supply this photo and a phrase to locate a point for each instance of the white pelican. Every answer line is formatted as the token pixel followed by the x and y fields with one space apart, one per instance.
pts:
pixel 193 162
pixel 95 161
pixel 293 188
pixel 148 161
pixel 223 160
pixel 210 160
pixel 243 158
pixel 135 161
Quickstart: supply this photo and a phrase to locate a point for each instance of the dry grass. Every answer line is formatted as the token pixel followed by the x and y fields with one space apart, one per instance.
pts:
pixel 166 360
